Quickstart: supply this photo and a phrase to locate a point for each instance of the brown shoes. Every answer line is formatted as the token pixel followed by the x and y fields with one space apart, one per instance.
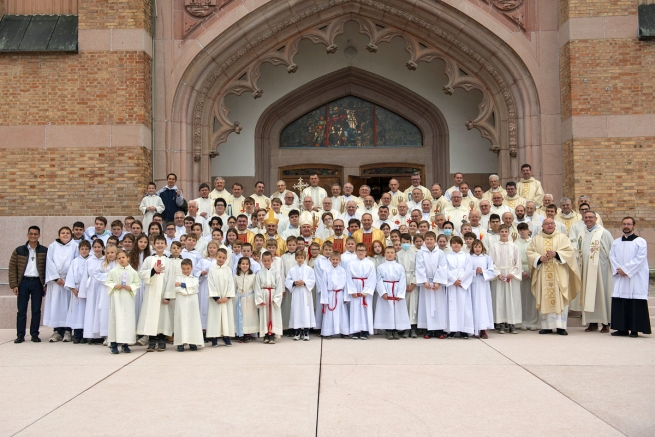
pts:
pixel 605 330
pixel 592 327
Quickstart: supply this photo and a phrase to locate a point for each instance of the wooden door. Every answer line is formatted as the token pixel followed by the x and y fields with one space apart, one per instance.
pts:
pixel 357 182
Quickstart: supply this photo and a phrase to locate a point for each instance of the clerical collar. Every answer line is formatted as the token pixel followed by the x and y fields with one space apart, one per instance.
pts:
pixel 591 229
pixel 630 237
pixel 569 215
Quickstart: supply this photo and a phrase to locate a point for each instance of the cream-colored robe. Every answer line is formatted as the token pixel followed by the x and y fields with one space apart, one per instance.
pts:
pixel 530 189
pixel 121 314
pixel 220 316
pixel 155 317
pixel 568 221
pixel 188 327
pixel 596 274
pixel 554 283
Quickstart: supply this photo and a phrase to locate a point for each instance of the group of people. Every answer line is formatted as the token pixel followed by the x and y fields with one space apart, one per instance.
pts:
pixel 440 264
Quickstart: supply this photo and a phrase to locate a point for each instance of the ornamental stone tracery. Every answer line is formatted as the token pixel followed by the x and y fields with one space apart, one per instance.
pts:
pixel 487 122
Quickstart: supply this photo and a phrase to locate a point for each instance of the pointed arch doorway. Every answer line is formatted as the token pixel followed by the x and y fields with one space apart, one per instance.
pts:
pixel 432 150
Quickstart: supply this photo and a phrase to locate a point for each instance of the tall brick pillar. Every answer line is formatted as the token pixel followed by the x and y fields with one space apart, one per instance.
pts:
pixel 75 128
pixel 608 115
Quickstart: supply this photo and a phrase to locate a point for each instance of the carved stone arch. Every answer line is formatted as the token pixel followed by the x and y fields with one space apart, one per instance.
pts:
pixel 479 52
pixel 365 85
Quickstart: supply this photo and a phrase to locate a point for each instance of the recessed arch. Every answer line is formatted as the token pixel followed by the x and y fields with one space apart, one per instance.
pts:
pixel 358 83
pixel 481 54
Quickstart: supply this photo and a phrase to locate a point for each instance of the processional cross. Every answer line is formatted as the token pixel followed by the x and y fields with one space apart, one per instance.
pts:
pixel 300 186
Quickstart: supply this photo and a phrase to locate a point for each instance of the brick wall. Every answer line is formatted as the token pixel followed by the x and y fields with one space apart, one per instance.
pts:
pixel 616 173
pixel 73 181
pixel 85 88
pixel 115 14
pixel 597 8
pixel 625 66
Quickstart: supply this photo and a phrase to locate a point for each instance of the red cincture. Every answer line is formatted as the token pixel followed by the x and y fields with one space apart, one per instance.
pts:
pixel 393 291
pixel 270 308
pixel 335 302
pixel 364 304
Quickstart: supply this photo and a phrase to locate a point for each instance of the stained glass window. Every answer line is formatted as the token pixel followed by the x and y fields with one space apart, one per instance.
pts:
pixel 351 122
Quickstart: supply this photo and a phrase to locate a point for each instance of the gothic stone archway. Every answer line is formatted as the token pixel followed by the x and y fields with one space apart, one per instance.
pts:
pixel 365 85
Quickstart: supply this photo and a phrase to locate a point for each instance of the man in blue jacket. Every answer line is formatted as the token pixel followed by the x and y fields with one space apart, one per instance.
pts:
pixel 172 197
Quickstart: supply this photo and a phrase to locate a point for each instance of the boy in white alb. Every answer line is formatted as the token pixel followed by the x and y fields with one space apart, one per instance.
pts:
pixel 220 318
pixel 406 257
pixel 391 312
pixel 122 282
pixel 187 325
pixel 361 284
pixel 431 274
pixel 299 282
pixel 150 204
pixel 336 317
pixel 269 287
pixel 75 317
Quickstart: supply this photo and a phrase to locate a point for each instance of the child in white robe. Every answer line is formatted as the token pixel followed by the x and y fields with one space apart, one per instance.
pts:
pixel 75 316
pixel 484 273
pixel 101 319
pixel 406 257
pixel 175 249
pixel 431 274
pixel 140 251
pixel 220 320
pixel 349 254
pixel 321 264
pixel 391 312
pixel 531 319
pixel 289 261
pixel 458 290
pixel 57 298
pixel 507 263
pixel 362 279
pixel 89 290
pixel 246 317
pixel 122 283
pixel 269 286
pixel 300 281
pixel 150 205
pixel 155 319
pixel 335 313
pixel 187 327
pixel 202 269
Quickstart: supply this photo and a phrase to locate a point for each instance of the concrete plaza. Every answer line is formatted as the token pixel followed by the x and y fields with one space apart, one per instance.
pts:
pixel 586 384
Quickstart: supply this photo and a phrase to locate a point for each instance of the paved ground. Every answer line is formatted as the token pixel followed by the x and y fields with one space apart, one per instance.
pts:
pixel 586 384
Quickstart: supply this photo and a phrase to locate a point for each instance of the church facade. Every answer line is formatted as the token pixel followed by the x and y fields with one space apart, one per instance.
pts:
pixel 358 90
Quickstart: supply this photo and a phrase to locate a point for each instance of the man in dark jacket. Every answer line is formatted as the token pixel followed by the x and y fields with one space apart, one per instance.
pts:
pixel 27 279
pixel 172 198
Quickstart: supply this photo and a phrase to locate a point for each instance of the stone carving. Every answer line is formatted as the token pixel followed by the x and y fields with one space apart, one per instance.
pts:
pixel 197 11
pixel 515 12
pixel 325 34
pixel 200 8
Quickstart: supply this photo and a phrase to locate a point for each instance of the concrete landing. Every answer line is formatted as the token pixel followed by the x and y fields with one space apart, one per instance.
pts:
pixel 586 384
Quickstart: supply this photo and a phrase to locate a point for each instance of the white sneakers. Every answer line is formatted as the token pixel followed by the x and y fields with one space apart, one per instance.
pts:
pixel 55 337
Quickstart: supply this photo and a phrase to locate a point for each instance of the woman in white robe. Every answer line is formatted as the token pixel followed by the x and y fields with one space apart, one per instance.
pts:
pixel 122 282
pixel 458 290
pixel 57 299
pixel 507 263
pixel 90 291
pixel 483 273
pixel 335 313
pixel 302 305
pixel 75 316
pixel 431 269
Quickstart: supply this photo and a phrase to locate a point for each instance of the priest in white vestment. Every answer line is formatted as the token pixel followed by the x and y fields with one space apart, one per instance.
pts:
pixel 629 257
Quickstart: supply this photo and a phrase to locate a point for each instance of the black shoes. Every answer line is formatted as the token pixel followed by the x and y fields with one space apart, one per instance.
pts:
pixel 634 334
pixel 36 339
pixel 193 347
pixel 151 346
pixel 562 331
pixel 619 333
pixel 19 339
pixel 126 349
pixel 76 340
pixel 463 335
pixel 114 348
pixel 180 348
pixel 546 331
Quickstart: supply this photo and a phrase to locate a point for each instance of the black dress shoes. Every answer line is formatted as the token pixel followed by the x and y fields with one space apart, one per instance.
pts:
pixel 19 339
pixel 36 339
